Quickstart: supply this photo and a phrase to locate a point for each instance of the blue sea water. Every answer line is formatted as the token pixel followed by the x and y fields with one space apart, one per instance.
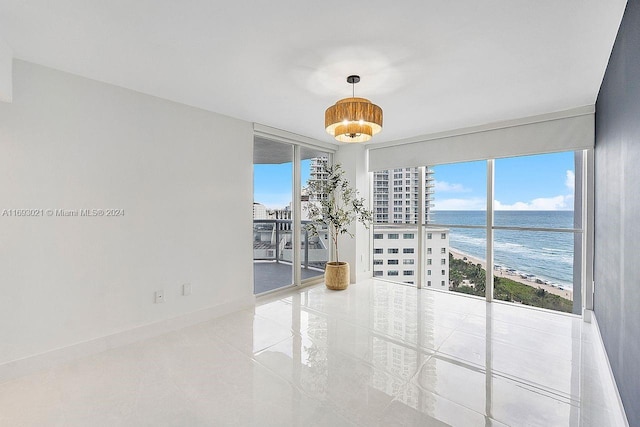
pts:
pixel 547 255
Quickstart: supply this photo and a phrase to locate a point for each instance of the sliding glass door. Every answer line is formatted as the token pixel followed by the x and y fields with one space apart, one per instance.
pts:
pixel 315 250
pixel 284 252
pixel 272 216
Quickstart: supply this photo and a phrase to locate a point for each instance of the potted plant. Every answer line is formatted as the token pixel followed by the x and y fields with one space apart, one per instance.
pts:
pixel 334 204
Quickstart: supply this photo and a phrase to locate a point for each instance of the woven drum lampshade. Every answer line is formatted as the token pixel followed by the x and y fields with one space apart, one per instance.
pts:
pixel 353 119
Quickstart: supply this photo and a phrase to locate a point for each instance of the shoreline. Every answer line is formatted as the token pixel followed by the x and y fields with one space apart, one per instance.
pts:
pixel 566 293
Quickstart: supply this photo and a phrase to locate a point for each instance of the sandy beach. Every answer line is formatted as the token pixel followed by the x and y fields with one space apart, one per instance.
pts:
pixel 567 293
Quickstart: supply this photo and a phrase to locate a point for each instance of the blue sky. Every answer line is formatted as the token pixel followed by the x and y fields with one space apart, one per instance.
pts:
pixel 542 182
pixel 272 183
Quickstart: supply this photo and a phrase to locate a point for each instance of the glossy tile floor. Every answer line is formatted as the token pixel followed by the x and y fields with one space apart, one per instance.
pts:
pixel 376 354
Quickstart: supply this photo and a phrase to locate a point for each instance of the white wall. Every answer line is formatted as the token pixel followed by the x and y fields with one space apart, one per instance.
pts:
pixel 357 250
pixel 183 177
pixel 6 60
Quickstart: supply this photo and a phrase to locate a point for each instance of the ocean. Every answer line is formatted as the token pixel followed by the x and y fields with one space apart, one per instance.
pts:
pixel 547 255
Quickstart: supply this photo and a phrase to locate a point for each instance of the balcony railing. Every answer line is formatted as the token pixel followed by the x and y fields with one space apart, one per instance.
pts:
pixel 272 241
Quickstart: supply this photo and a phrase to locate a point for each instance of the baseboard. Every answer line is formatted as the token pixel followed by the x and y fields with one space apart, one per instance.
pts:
pixel 42 361
pixel 594 321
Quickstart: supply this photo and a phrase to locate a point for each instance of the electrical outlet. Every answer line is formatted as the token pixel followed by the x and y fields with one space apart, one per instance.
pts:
pixel 159 297
pixel 186 289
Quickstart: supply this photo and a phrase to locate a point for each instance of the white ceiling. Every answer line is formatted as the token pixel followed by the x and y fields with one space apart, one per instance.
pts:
pixel 432 65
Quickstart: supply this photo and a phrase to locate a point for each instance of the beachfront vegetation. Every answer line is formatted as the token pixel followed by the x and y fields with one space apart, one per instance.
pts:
pixel 462 272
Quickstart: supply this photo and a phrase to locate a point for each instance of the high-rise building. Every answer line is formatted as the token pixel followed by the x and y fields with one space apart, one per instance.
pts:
pixel 395 195
pixel 318 173
pixel 259 211
pixel 395 192
pixel 395 212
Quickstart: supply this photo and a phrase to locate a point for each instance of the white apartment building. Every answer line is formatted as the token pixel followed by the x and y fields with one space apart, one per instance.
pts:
pixel 395 195
pixel 395 192
pixel 317 172
pixel 395 204
pixel 259 211
pixel 395 255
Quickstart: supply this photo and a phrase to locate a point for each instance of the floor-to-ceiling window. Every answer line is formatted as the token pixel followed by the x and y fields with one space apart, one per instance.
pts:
pixel 285 253
pixel 272 215
pixel 512 226
pixel 535 231
pixel 456 237
pixel 315 250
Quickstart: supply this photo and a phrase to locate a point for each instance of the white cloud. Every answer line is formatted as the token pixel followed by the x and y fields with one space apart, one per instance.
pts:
pixel 442 186
pixel 570 182
pixel 557 203
pixel 472 204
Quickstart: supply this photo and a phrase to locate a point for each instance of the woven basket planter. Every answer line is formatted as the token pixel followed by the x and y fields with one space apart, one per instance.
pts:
pixel 336 275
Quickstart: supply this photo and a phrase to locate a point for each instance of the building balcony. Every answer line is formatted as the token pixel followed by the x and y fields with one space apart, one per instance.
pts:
pixel 273 254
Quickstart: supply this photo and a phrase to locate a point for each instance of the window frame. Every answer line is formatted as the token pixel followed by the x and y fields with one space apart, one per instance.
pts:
pixel 583 204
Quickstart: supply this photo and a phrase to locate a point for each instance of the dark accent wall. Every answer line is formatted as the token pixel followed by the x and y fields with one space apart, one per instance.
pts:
pixel 617 211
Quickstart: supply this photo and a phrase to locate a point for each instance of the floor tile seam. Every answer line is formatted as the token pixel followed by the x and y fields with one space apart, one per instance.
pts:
pixel 395 397
pixel 301 331
pixel 574 363
pixel 539 389
pixel 269 346
pixel 504 340
pixel 392 398
pixel 463 404
pixel 414 378
pixel 315 311
pixel 461 363
pixel 437 349
pixel 464 313
pixel 501 374
pixel 227 342
pixel 384 370
pixel 534 351
pixel 295 386
pixel 318 313
pixel 610 407
pixel 527 349
pixel 287 327
pixel 261 317
pixel 402 343
pixel 532 327
pixel 368 362
pixel 508 305
pixel 539 329
pixel 371 365
pixel 433 392
pixel 269 307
